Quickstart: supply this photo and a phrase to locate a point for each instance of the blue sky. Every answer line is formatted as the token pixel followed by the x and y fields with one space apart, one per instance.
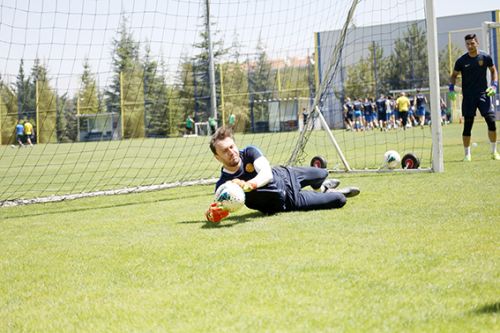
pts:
pixel 63 33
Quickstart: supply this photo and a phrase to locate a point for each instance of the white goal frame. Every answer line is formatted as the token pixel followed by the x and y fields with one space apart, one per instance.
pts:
pixel 201 128
pixel 434 92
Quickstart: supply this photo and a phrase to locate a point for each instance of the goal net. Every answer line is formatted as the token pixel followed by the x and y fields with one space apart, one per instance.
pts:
pixel 109 86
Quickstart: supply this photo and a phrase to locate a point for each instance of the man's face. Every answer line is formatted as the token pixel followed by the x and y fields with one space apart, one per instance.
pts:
pixel 227 153
pixel 471 45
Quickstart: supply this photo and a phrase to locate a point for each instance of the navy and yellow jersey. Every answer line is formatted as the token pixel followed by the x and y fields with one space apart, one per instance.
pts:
pixel 381 107
pixel 267 199
pixel 368 108
pixel 420 100
pixel 348 106
pixel 473 71
pixel 357 106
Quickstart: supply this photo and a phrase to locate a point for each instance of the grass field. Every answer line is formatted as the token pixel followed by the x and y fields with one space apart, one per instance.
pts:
pixel 83 167
pixel 412 253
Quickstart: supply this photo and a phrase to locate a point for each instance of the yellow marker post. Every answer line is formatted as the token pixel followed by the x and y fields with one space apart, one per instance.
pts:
pixel 223 111
pixel 37 111
pixel 316 61
pixel 278 77
pixel 122 109
pixel 0 115
pixel 78 117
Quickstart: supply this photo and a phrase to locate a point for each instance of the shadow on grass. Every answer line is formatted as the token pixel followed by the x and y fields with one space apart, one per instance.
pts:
pixel 488 309
pixel 108 206
pixel 228 223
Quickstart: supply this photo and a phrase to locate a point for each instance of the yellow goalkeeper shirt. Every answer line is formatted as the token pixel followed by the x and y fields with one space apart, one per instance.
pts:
pixel 28 128
pixel 403 104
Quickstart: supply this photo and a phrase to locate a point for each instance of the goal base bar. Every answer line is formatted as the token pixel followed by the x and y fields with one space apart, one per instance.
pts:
pixel 137 189
pixel 382 171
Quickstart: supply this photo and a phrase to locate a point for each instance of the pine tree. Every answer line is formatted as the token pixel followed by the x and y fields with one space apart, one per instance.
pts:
pixel 46 106
pixel 127 78
pixel 235 93
pixel 260 86
pixel 183 102
pixel 409 68
pixel 26 103
pixel 368 77
pixel 8 113
pixel 88 94
pixel 445 66
pixel 201 72
pixel 155 96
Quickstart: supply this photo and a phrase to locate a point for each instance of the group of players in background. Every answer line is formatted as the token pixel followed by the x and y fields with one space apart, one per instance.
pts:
pixel 386 113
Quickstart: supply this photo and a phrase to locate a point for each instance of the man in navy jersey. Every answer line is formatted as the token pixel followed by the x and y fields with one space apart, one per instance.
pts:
pixel 348 115
pixel 475 91
pixel 381 111
pixel 272 189
pixel 420 103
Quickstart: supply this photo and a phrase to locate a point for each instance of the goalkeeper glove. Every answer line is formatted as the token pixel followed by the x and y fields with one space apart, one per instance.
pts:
pixel 492 90
pixel 452 95
pixel 246 186
pixel 216 213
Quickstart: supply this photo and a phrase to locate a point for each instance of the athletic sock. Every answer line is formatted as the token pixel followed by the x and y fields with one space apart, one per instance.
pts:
pixel 467 151
pixel 493 147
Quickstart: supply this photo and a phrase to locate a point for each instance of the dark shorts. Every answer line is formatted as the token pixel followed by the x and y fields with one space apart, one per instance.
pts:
pixel 421 111
pixel 349 115
pixel 482 102
pixel 19 137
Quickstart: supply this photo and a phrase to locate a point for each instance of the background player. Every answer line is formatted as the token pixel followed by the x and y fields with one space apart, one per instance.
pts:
pixel 475 91
pixel 20 133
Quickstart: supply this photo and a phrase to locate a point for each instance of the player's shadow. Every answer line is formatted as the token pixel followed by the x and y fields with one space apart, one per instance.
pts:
pixel 227 223
pixel 488 309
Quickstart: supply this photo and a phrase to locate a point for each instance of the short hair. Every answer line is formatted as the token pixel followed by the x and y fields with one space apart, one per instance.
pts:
pixel 220 134
pixel 470 36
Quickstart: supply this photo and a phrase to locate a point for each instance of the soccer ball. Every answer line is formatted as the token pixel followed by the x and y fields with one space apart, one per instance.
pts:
pixel 231 196
pixel 392 159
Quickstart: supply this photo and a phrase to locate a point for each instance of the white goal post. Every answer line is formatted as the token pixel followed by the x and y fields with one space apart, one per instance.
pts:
pixel 433 72
pixel 201 128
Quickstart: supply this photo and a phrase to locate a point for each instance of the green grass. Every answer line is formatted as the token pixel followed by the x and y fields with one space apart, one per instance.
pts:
pixel 412 253
pixel 80 167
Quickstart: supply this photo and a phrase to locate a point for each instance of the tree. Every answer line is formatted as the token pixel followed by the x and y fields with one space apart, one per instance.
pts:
pixel 67 121
pixel 259 84
pixel 367 78
pixel 88 94
pixel 235 93
pixel 46 120
pixel 452 52
pixel 155 97
pixel 185 103
pixel 127 87
pixel 25 90
pixel 201 72
pixel 408 64
pixel 8 113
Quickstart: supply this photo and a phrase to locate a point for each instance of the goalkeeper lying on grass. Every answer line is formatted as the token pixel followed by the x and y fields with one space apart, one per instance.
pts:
pixel 272 189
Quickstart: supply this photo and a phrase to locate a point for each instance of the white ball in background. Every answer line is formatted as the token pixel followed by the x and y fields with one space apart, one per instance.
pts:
pixel 392 159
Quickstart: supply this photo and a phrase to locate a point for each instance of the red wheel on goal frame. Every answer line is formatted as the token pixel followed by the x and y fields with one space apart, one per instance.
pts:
pixel 410 161
pixel 319 162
